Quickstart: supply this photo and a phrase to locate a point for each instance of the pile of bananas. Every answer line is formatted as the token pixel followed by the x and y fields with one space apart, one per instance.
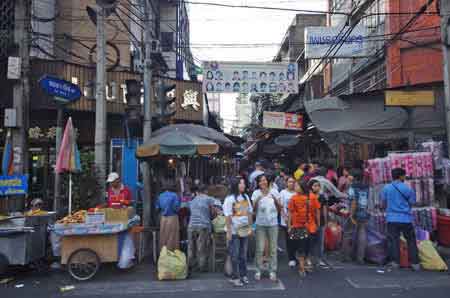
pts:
pixel 77 217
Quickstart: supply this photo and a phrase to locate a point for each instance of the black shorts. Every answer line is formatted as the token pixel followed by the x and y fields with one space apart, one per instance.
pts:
pixel 302 246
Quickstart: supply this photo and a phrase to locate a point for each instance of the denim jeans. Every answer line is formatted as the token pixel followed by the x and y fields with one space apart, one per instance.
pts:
pixel 238 251
pixel 394 229
pixel 270 234
pixel 361 240
pixel 319 243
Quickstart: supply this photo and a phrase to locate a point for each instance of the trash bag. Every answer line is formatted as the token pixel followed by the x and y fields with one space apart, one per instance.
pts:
pixel 430 258
pixel 172 265
pixel 127 252
pixel 333 236
pixel 376 251
pixel 219 224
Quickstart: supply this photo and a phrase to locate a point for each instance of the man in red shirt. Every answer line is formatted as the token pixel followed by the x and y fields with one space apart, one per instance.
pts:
pixel 119 196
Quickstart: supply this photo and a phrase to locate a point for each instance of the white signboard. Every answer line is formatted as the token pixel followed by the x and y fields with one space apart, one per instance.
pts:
pixel 318 41
pixel 246 77
pixel 13 68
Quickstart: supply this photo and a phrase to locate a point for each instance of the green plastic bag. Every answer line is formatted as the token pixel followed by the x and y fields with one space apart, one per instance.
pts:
pixel 430 258
pixel 219 224
pixel 172 265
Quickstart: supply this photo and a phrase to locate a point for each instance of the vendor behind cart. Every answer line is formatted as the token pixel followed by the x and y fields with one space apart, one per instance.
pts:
pixel 119 196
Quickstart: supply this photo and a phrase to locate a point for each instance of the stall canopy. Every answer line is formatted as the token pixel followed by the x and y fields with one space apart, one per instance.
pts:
pixel 199 131
pixel 176 143
pixel 365 119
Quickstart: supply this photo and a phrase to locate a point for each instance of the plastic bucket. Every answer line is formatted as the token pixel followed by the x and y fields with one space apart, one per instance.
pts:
pixel 444 230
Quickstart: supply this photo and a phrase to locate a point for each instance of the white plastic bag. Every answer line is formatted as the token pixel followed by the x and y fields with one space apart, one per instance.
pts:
pixel 55 240
pixel 127 253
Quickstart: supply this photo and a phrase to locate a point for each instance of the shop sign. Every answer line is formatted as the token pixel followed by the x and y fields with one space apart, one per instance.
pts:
pixel 13 185
pixel 319 40
pixel 280 120
pixel 409 98
pixel 190 98
pixel 250 77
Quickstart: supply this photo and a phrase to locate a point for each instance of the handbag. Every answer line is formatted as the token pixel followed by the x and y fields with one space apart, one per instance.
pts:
pixel 301 233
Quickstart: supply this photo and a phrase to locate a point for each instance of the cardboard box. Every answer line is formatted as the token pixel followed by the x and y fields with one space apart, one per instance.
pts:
pixel 119 215
pixel 95 218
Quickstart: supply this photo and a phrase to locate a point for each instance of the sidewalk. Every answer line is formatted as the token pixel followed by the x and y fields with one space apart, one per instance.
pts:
pixel 344 280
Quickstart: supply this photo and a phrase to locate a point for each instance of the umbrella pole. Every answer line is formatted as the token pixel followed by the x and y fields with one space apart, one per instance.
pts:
pixel 70 193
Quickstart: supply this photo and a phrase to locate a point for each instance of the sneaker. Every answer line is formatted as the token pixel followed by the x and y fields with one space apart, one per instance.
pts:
pixel 245 280
pixel 273 276
pixel 292 264
pixel 323 264
pixel 416 267
pixel 236 282
pixel 394 266
pixel 258 276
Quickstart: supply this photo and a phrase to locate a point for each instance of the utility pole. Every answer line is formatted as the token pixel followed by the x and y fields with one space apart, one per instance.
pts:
pixel 100 102
pixel 21 89
pixel 59 129
pixel 445 26
pixel 148 95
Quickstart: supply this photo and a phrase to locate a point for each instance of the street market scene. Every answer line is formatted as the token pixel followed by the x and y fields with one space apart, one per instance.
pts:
pixel 257 148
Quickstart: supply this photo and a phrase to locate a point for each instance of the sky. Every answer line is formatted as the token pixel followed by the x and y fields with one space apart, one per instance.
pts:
pixel 211 25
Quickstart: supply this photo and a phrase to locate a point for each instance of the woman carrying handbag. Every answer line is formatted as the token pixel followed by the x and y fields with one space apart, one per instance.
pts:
pixel 304 218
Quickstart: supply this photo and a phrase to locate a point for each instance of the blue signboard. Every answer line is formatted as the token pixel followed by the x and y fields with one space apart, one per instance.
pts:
pixel 13 185
pixel 62 90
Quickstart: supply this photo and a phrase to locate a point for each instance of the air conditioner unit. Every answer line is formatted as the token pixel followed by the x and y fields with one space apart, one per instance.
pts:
pixel 155 46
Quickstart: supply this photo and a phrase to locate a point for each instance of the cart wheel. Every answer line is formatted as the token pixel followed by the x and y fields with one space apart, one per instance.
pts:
pixel 3 264
pixel 83 264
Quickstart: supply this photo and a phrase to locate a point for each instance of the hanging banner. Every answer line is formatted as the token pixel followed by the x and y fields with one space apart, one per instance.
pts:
pixel 319 40
pixel 409 98
pixel 280 120
pixel 13 185
pixel 246 77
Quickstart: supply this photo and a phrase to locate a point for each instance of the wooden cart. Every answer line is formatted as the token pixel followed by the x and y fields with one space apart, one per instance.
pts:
pixel 83 254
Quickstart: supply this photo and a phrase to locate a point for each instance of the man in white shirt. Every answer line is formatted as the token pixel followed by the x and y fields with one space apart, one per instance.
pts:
pixel 259 170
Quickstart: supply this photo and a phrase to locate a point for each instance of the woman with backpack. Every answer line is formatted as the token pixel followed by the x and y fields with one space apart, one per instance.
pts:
pixel 304 219
pixel 238 211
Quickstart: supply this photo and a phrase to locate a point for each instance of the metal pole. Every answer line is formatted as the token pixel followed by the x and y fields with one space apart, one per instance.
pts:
pixel 21 89
pixel 100 104
pixel 148 94
pixel 59 128
pixel 445 11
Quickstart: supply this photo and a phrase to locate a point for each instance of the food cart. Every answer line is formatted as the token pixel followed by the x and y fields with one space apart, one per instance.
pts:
pixel 94 239
pixel 23 240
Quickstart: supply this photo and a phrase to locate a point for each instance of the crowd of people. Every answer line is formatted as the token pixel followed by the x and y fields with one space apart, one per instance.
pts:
pixel 271 203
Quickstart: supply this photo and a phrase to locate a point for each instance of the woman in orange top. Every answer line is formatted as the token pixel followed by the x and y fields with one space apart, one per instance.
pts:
pixel 304 219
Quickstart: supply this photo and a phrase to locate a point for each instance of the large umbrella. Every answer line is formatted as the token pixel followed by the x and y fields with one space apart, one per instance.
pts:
pixel 176 143
pixel 68 157
pixel 199 131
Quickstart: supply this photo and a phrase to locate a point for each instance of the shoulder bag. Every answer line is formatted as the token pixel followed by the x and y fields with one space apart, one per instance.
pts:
pixel 301 233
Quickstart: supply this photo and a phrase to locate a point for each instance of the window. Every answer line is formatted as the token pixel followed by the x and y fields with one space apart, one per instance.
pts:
pixel 167 41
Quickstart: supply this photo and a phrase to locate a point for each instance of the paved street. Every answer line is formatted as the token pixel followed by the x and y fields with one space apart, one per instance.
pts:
pixel 343 280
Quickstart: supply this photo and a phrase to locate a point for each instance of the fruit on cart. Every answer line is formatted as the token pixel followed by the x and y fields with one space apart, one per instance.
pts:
pixel 77 217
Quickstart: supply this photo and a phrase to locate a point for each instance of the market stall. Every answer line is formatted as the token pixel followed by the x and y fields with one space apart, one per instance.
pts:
pixel 89 238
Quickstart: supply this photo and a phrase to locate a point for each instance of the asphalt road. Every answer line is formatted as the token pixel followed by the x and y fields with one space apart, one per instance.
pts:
pixel 343 280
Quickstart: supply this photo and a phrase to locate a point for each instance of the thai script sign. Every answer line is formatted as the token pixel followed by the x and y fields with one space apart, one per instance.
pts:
pixel 280 120
pixel 13 185
pixel 319 41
